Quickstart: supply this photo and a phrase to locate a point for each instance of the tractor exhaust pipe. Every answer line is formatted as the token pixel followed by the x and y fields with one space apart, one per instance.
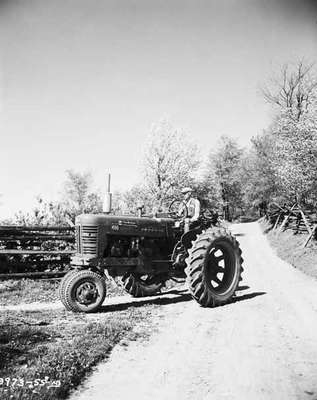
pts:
pixel 106 207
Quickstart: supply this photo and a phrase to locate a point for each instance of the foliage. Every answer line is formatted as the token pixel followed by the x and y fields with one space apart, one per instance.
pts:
pixel 208 192
pixel 77 197
pixel 295 156
pixel 224 174
pixel 282 161
pixel 258 178
pixel 45 213
pixel 170 162
pixel 128 201
pixel 294 132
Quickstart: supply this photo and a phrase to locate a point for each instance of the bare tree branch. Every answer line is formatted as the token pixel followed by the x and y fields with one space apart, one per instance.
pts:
pixel 294 89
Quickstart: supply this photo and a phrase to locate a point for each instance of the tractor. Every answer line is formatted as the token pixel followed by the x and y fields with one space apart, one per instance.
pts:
pixel 144 252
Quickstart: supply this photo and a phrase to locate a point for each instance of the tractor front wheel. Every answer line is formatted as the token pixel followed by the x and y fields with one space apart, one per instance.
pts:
pixel 62 285
pixel 82 291
pixel 214 267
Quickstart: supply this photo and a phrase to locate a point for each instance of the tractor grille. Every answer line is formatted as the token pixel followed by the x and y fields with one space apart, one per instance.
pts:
pixel 78 239
pixel 89 239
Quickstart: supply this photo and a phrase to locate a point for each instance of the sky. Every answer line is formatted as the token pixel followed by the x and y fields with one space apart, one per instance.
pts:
pixel 82 82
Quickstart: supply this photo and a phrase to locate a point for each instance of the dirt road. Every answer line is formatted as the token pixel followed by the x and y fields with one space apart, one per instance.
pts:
pixel 262 346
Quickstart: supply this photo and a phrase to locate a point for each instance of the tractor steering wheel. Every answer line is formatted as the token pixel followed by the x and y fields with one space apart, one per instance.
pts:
pixel 175 207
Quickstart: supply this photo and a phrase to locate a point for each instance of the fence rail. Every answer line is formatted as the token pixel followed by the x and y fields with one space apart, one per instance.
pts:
pixel 34 275
pixel 293 217
pixel 35 249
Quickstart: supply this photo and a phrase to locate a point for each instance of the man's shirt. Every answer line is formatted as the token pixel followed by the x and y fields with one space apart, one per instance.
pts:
pixel 193 207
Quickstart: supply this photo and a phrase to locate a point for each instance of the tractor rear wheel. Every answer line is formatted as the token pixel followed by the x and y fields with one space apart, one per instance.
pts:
pixel 142 285
pixel 83 291
pixel 214 267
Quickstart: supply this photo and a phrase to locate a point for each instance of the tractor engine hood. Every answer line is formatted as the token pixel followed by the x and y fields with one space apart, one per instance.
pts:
pixel 127 225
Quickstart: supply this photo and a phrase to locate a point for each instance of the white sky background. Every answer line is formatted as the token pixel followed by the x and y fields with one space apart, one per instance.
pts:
pixel 82 81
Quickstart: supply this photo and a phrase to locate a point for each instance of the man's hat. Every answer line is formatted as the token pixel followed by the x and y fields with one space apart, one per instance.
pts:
pixel 186 190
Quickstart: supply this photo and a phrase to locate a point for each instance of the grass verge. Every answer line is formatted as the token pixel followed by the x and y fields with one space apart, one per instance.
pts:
pixel 289 248
pixel 45 354
pixel 38 348
pixel 14 292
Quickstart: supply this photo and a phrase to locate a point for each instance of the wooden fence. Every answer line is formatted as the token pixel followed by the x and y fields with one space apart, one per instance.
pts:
pixel 293 217
pixel 35 251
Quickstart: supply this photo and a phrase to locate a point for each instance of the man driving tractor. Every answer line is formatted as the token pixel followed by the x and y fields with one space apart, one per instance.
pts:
pixel 145 252
pixel 193 206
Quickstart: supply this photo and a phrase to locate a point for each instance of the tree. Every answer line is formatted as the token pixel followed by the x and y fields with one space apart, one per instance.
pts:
pixel 294 131
pixel 259 180
pixel 128 201
pixel 294 89
pixel 170 161
pixel 208 191
pixel 224 173
pixel 78 196
pixel 296 155
pixel 45 213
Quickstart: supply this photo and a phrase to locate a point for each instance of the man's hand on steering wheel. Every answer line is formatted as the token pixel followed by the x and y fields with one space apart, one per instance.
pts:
pixel 178 210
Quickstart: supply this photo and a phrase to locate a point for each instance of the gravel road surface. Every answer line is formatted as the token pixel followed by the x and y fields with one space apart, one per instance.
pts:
pixel 261 346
